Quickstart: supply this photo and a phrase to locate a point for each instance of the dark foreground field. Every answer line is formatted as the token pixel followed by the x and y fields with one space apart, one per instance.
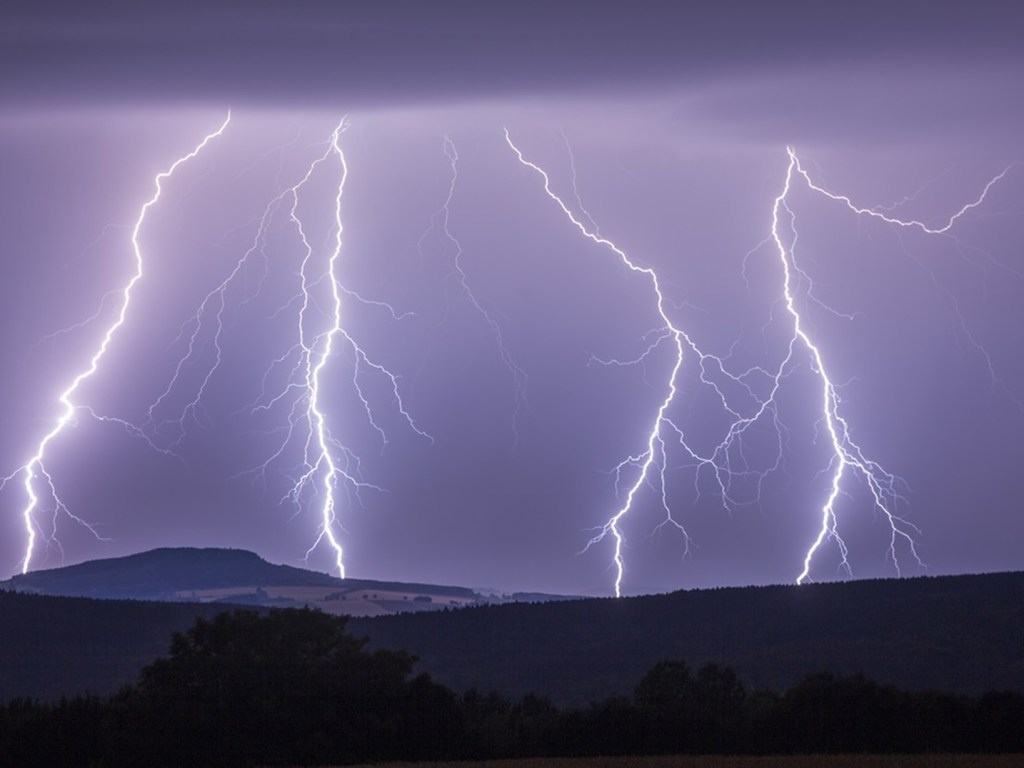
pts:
pixel 292 687
pixel 798 761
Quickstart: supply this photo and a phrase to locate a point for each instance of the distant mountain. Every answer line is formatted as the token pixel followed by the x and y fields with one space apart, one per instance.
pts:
pixel 241 577
pixel 161 574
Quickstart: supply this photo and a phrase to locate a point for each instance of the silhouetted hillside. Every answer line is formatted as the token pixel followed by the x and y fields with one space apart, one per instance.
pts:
pixel 953 633
pixel 162 574
pixel 51 646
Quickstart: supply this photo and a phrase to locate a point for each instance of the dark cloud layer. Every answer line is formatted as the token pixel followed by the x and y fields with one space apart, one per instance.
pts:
pixel 317 52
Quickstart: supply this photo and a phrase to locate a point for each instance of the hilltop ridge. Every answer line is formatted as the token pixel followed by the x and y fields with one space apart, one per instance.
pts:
pixel 238 576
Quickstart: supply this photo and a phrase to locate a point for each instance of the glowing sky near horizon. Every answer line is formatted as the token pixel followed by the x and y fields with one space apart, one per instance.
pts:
pixel 678 152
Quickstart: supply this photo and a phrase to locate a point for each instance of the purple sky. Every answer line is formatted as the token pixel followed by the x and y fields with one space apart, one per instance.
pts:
pixel 678 125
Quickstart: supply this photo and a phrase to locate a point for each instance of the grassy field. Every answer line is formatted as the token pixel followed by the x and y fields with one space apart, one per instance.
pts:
pixel 799 761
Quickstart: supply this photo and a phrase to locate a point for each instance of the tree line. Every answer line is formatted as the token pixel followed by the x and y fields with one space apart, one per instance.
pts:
pixel 293 687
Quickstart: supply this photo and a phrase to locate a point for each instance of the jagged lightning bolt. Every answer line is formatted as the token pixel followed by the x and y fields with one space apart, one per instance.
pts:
pixel 655 446
pixel 440 221
pixel 35 468
pixel 941 229
pixel 846 453
pixel 323 461
pixel 319 459
pixel 317 303
pixel 649 463
pixel 889 219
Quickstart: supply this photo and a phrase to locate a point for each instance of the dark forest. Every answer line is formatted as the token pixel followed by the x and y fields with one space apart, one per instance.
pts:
pixel 294 687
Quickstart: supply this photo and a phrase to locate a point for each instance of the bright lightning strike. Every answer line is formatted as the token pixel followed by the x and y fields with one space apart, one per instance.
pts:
pixel 326 464
pixel 655 446
pixel 34 470
pixel 877 214
pixel 321 450
pixel 323 461
pixel 725 461
pixel 846 454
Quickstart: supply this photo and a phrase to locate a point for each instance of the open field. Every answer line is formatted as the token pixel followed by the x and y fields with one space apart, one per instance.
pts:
pixel 774 761
pixel 359 601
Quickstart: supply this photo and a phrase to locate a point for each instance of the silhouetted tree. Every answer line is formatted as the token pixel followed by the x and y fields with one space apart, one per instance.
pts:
pixel 687 712
pixel 664 698
pixel 832 714
pixel 286 686
pixel 999 722
pixel 718 710
pixel 487 725
pixel 614 727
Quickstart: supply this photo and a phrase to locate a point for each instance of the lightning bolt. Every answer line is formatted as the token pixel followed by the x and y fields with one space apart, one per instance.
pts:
pixel 322 461
pixel 846 454
pixel 319 460
pixel 34 470
pixel 327 463
pixel 888 219
pixel 646 460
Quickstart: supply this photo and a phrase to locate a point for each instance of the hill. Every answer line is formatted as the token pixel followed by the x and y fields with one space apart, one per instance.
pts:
pixel 952 633
pixel 241 577
pixel 161 574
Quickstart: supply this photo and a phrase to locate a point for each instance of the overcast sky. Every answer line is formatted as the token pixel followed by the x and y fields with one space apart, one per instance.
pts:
pixel 665 130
